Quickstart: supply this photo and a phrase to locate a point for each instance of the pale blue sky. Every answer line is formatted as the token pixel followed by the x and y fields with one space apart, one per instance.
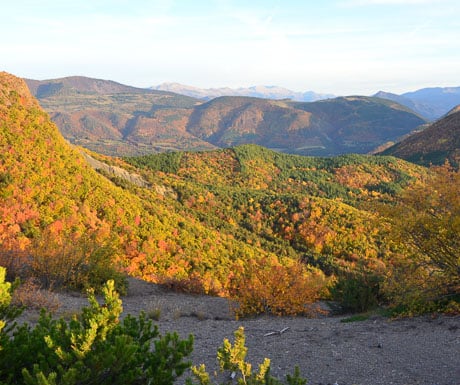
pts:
pixel 337 46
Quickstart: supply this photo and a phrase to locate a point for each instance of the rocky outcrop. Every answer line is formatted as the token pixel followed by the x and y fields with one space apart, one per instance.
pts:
pixel 135 179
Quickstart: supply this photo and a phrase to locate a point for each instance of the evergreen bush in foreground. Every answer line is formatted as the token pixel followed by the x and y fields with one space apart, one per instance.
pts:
pixel 93 348
pixel 97 347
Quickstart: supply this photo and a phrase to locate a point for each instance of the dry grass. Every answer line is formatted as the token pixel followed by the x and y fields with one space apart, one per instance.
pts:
pixel 30 295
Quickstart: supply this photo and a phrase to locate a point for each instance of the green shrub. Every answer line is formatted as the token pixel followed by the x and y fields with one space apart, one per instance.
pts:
pixel 232 362
pixel 7 312
pixel 93 348
pixel 357 291
pixel 421 304
pixel 5 289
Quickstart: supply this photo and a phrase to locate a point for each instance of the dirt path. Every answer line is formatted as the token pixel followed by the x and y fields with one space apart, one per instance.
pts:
pixel 378 351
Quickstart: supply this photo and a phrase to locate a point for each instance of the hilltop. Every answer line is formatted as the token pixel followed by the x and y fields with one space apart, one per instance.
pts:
pixel 358 124
pixel 80 84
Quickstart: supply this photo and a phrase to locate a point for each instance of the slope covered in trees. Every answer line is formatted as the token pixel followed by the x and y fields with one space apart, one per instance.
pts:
pixel 433 145
pixel 67 221
pixel 314 210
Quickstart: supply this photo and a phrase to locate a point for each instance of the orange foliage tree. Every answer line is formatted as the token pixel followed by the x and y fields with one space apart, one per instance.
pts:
pixel 269 286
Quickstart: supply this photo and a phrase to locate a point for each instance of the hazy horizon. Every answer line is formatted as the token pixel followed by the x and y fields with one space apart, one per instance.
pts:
pixel 241 87
pixel 340 47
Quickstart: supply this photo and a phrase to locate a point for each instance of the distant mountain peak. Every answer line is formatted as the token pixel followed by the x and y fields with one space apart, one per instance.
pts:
pixel 259 91
pixel 431 103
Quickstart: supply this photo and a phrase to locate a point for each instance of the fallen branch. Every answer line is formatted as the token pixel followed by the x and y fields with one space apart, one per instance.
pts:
pixel 278 332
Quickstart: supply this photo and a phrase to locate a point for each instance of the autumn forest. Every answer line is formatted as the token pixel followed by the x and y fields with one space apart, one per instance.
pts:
pixel 273 231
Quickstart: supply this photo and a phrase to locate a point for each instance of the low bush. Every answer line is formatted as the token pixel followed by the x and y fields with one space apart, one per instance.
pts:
pixel 268 287
pixel 75 262
pixel 30 294
pixel 233 365
pixel 356 291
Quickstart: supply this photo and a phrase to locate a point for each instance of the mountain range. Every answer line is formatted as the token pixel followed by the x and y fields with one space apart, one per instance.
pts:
pixel 266 92
pixel 114 119
pixel 329 127
pixel 431 103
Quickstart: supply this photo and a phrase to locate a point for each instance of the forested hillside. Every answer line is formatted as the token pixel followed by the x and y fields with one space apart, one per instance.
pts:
pixel 434 144
pixel 58 211
pixel 273 231
pixel 299 206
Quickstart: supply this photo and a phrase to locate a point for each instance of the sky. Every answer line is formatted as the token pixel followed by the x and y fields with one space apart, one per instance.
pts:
pixel 342 47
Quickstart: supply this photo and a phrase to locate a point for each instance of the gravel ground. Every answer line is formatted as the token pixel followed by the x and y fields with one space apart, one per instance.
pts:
pixel 378 351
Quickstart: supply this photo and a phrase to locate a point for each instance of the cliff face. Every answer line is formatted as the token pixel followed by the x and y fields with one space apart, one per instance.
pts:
pixel 119 172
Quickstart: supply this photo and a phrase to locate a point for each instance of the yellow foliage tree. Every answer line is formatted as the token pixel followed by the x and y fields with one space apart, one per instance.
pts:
pixel 425 229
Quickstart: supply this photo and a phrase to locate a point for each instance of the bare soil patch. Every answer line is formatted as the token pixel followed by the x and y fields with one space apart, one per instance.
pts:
pixel 378 351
